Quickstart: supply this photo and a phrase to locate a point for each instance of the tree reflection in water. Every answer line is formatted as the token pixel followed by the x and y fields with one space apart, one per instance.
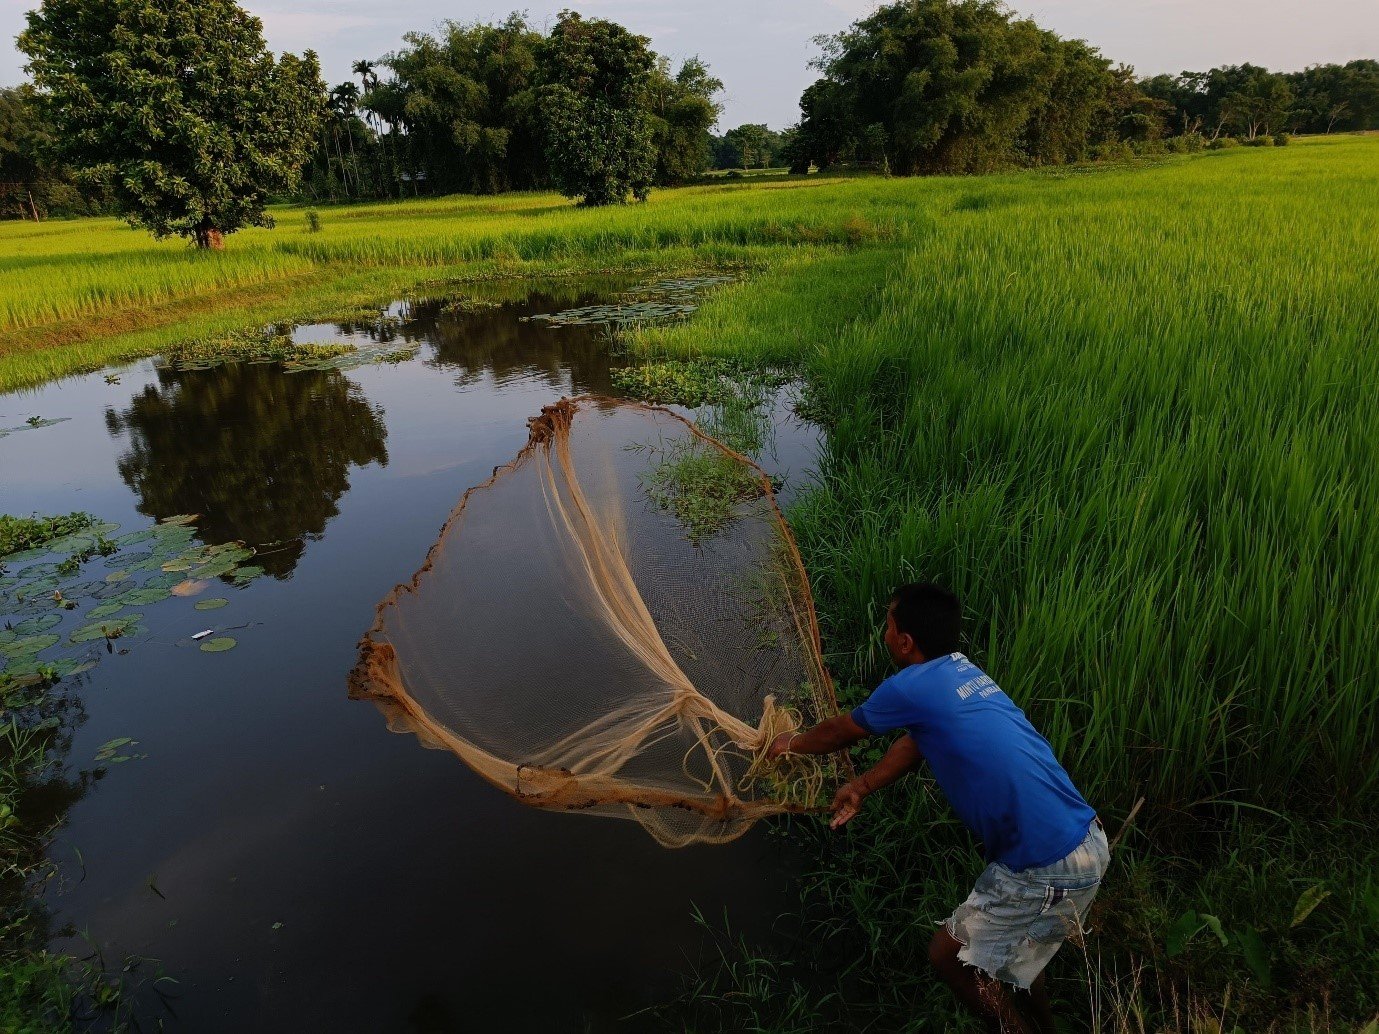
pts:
pixel 262 456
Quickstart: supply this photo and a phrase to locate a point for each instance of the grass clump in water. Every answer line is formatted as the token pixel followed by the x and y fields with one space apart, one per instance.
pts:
pixel 249 347
pixel 701 486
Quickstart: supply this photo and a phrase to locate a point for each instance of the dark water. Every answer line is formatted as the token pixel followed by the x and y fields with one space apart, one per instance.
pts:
pixel 286 860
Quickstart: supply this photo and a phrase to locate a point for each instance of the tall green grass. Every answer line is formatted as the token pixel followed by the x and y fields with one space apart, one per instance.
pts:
pixel 1127 416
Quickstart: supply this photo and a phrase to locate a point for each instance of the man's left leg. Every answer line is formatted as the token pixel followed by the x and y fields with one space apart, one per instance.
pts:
pixel 983 996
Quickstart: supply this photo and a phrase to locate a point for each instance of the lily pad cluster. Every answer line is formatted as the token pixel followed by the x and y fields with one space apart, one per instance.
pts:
pixel 659 302
pixel 68 599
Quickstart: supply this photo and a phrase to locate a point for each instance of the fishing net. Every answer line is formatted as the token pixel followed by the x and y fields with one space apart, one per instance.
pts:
pixel 616 622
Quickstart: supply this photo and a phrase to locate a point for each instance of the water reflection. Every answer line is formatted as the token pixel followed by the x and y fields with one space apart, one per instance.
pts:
pixel 477 345
pixel 262 456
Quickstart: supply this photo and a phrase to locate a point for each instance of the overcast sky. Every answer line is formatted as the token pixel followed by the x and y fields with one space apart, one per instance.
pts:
pixel 761 48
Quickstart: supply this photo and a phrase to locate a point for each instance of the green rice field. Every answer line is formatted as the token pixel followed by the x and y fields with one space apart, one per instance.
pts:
pixel 1126 412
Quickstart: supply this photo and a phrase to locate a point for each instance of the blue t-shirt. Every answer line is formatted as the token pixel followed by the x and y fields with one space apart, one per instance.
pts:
pixel 998 773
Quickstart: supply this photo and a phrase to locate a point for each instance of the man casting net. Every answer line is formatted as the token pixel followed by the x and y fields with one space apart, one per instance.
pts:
pixel 617 622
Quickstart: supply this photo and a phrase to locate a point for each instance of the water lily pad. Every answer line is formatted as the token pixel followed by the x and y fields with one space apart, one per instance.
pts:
pixel 42 623
pixel 142 535
pixel 37 571
pixel 74 543
pixel 104 529
pixel 214 603
pixel 245 575
pixel 66 667
pixel 35 589
pixel 177 520
pixel 178 563
pixel 117 576
pixel 218 645
pixel 104 611
pixel 149 594
pixel 216 567
pixel 109 590
pixel 112 629
pixel 28 646
pixel 24 554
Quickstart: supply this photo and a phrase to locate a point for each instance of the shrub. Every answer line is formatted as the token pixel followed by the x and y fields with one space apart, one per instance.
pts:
pixel 1263 140
pixel 1282 139
pixel 313 221
pixel 1221 143
pixel 1112 151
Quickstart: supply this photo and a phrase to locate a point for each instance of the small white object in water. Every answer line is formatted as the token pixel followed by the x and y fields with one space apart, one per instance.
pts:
pixel 203 635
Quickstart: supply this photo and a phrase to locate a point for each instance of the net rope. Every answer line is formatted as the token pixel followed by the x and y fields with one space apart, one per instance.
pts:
pixel 618 622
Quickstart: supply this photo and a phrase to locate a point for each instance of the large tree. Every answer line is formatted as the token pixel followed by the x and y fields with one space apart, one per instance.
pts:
pixel 461 108
pixel 683 110
pixel 178 107
pixel 962 86
pixel 600 137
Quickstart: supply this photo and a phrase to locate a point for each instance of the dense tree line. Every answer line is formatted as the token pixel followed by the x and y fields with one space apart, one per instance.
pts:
pixel 484 108
pixel 179 117
pixel 1247 100
pixel 751 146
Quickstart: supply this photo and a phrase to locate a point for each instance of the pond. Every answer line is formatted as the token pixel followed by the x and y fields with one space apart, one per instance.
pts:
pixel 269 845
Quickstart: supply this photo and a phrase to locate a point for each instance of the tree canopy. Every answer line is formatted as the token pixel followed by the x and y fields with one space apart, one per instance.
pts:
pixel 599 136
pixel 925 86
pixel 1249 100
pixel 179 109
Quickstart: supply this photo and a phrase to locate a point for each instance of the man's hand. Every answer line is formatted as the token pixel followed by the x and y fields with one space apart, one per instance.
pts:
pixel 780 745
pixel 847 802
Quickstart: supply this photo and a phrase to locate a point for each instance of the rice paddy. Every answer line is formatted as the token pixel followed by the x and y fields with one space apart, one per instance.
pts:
pixel 1124 411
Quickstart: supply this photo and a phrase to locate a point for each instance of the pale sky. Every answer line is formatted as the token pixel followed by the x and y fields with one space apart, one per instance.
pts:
pixel 761 48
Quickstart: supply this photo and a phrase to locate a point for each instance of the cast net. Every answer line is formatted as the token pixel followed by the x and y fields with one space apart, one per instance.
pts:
pixel 617 622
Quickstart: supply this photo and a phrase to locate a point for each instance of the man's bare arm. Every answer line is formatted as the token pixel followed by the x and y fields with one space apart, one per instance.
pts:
pixel 903 757
pixel 829 735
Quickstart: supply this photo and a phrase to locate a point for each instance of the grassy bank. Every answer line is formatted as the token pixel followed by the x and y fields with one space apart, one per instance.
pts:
pixel 1123 411
pixel 1126 417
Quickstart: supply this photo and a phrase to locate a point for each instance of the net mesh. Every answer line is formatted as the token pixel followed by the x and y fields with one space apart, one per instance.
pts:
pixel 616 622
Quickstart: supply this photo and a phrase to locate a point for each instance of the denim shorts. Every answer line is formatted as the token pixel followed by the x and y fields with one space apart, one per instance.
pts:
pixel 1013 923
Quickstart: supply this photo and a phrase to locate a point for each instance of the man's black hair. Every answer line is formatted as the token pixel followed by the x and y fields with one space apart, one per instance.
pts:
pixel 930 615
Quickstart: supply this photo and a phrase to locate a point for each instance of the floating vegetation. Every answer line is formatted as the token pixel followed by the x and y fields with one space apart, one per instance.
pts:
pixel 330 356
pixel 707 381
pixel 33 423
pixel 214 603
pixel 128 625
pixel 270 346
pixel 467 306
pixel 219 644
pixel 46 575
pixel 653 303
pixel 701 485
pixel 113 751
pixel 26 534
